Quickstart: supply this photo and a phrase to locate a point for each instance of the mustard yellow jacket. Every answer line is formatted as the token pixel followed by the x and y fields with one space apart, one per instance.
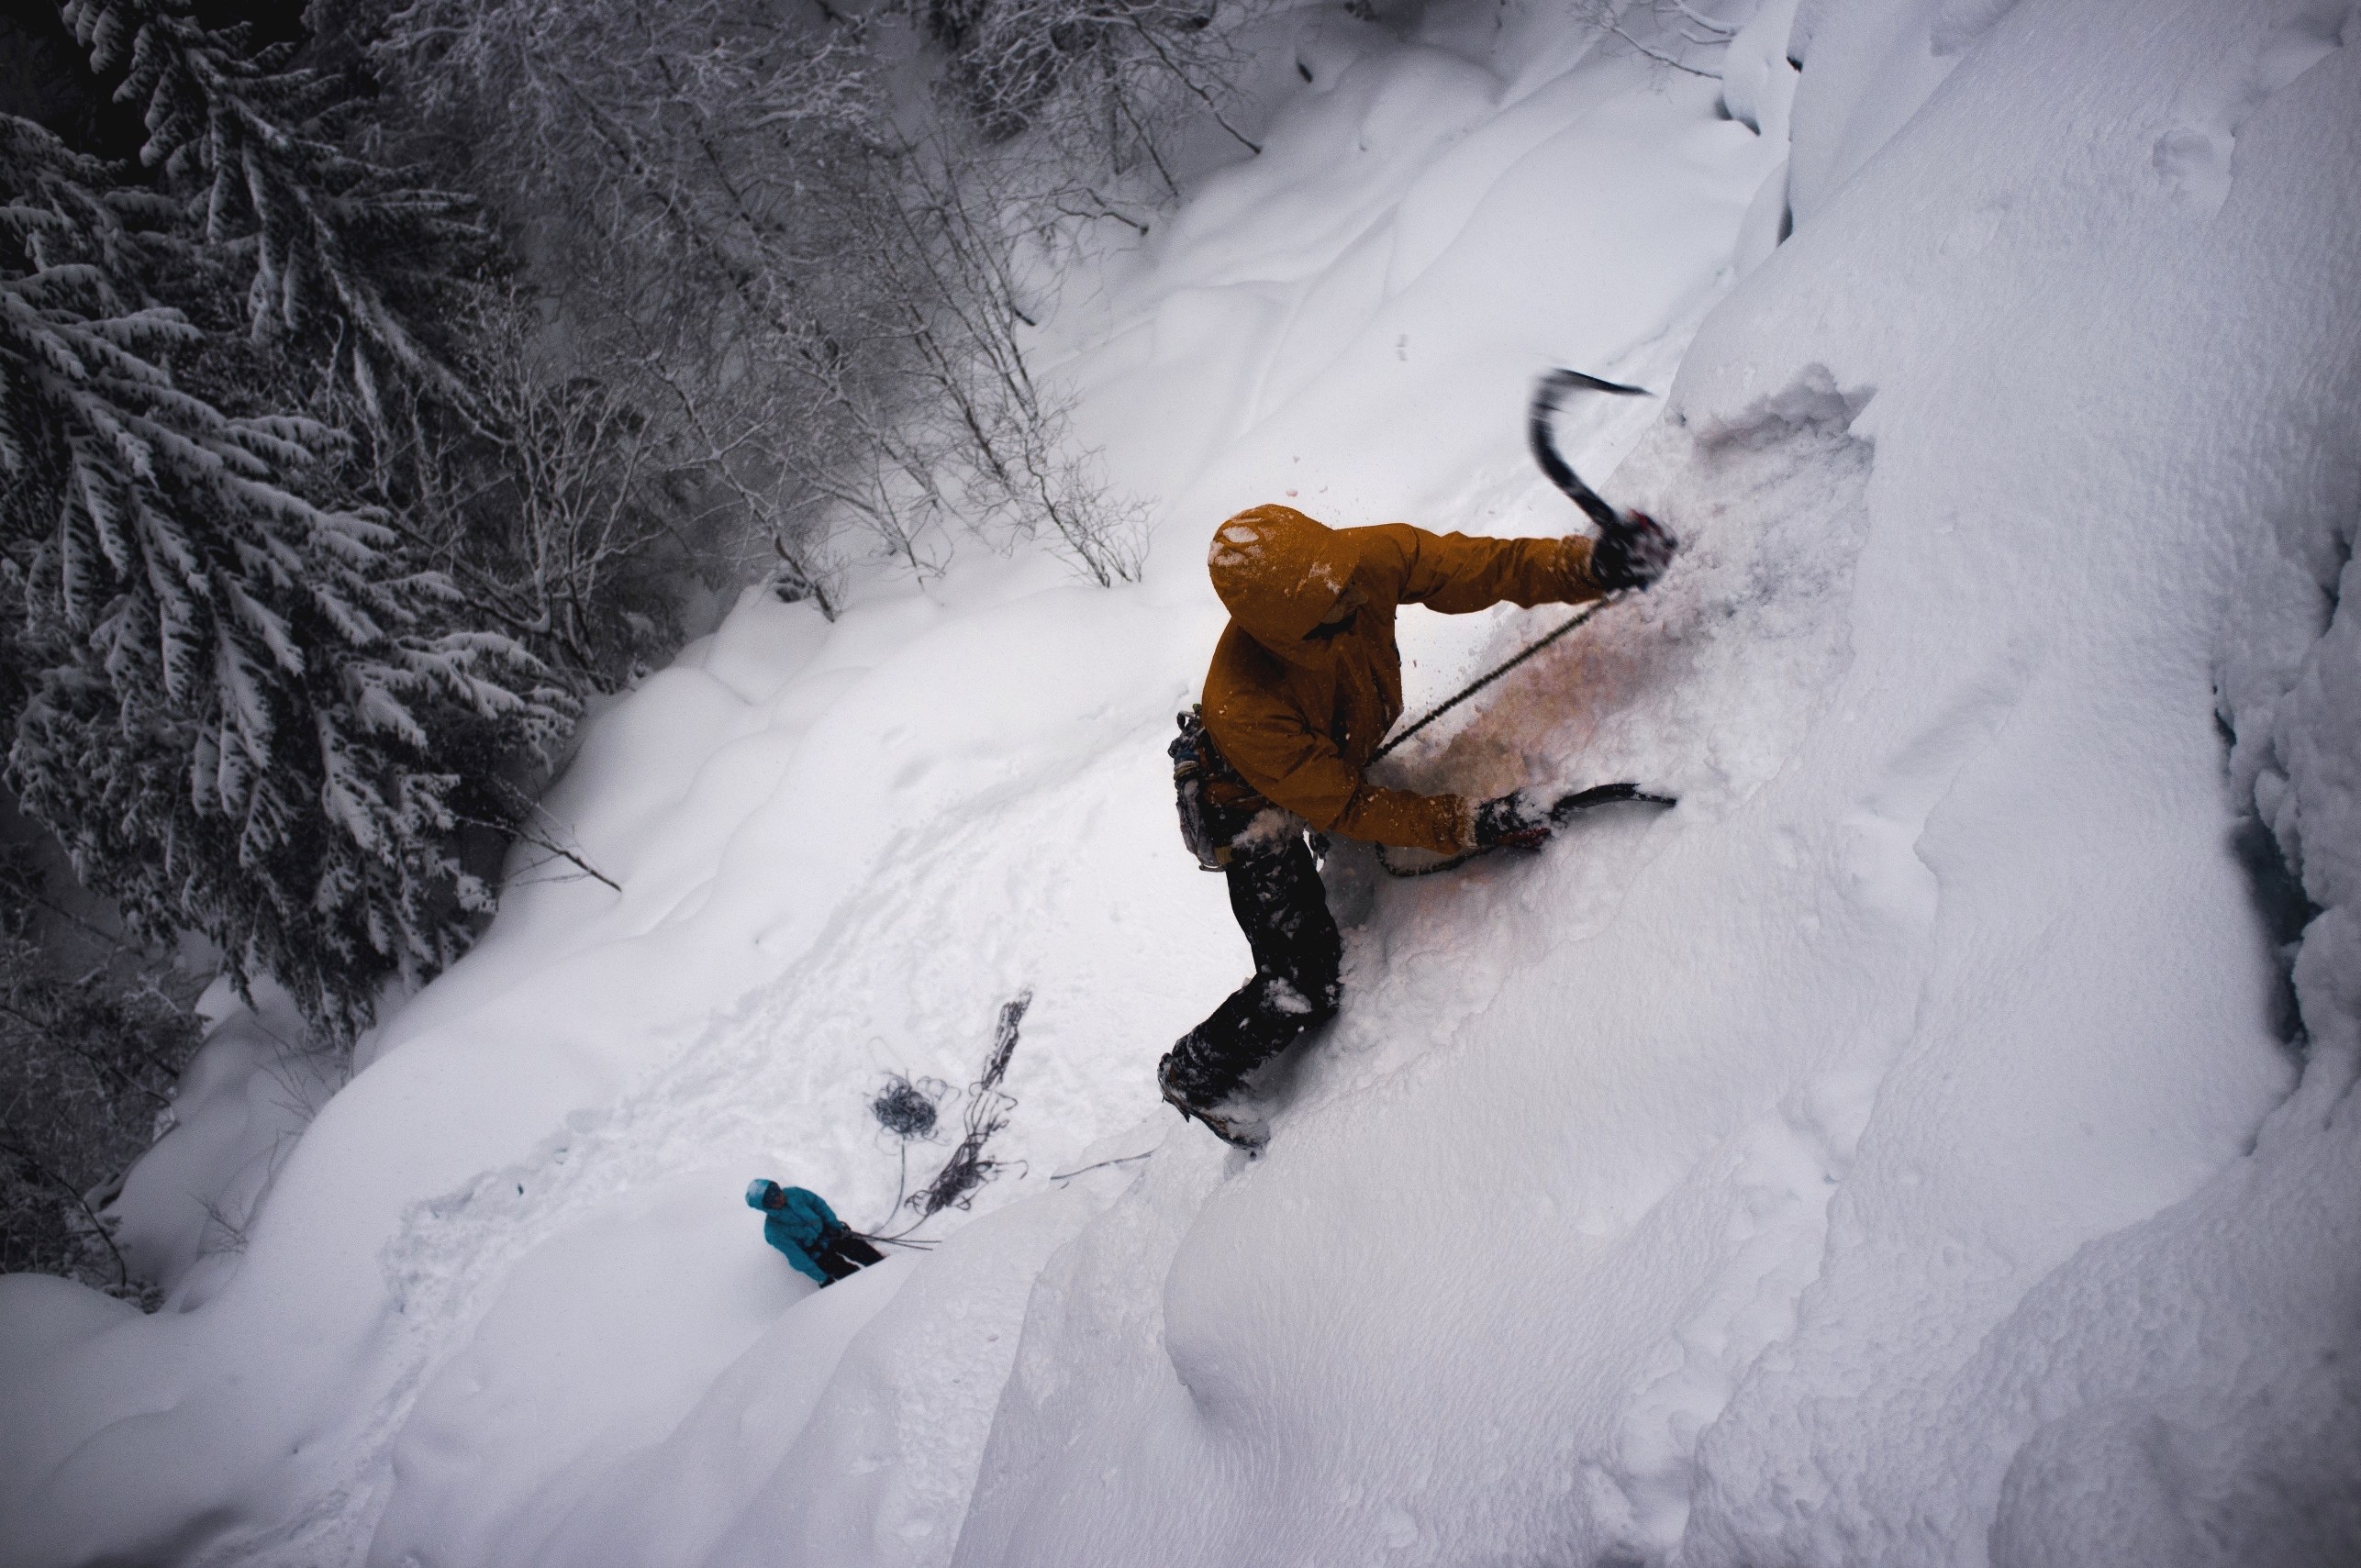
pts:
pixel 1299 714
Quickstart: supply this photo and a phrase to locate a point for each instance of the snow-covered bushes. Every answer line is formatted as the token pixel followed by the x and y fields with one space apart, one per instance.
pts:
pixel 747 223
pixel 86 1067
pixel 1103 79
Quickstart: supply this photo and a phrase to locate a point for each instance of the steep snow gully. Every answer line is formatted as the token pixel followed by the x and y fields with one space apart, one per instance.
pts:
pixel 1915 1149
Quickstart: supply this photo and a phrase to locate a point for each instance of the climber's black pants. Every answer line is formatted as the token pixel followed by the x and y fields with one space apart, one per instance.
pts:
pixel 842 1254
pixel 1283 909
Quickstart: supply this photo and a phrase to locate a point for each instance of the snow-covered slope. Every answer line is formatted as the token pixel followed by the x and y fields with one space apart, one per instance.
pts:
pixel 1888 1156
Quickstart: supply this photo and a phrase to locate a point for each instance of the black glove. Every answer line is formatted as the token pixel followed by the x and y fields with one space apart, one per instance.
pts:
pixel 1630 552
pixel 1516 821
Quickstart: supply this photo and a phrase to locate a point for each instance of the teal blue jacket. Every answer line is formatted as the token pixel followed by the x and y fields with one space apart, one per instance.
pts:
pixel 796 1221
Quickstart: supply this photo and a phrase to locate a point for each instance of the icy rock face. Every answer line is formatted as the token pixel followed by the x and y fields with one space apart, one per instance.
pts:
pixel 1889 1157
pixel 2289 674
pixel 2202 1463
pixel 2180 1390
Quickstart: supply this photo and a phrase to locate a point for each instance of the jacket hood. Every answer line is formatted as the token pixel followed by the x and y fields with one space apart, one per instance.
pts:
pixel 1279 572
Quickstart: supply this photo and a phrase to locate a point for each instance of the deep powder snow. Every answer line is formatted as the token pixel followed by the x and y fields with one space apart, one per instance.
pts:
pixel 1930 1143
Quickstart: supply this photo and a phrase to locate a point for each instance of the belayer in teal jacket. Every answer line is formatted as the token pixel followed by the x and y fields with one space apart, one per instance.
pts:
pixel 800 1223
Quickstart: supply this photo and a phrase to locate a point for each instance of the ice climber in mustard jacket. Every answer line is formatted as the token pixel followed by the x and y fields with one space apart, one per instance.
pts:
pixel 1304 684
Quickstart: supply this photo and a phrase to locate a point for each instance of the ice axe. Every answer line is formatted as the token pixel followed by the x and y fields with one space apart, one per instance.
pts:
pixel 1632 548
pixel 1546 395
pixel 1552 386
pixel 1581 800
pixel 1560 811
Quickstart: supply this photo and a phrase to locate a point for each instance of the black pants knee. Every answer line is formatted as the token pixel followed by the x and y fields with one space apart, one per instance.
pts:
pixel 842 1254
pixel 1299 954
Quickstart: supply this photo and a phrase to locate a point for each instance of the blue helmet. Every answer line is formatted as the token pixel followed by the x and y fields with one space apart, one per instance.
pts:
pixel 758 1191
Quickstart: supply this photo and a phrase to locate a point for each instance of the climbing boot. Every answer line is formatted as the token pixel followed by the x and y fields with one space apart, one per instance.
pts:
pixel 1239 1128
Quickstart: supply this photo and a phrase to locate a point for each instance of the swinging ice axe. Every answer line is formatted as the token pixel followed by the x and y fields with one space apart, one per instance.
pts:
pixel 1547 394
pixel 1633 549
pixel 1636 532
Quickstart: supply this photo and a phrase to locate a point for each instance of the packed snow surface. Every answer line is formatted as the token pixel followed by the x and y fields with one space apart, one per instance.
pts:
pixel 1929 1143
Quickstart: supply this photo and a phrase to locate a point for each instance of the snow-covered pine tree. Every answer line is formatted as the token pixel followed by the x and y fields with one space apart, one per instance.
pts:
pixel 239 711
pixel 343 268
pixel 375 300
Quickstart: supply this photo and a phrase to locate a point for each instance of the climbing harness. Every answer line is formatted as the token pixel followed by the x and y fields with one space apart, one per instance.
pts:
pixel 1196 763
pixel 1221 836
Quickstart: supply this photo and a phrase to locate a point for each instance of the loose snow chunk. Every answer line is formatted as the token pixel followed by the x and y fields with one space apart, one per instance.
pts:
pixel 1235 544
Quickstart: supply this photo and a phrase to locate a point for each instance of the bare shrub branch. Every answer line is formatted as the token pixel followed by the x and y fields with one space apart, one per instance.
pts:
pixel 812 305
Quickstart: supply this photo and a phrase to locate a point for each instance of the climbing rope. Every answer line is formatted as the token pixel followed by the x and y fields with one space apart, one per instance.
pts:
pixel 1589 797
pixel 1119 1160
pixel 1530 649
pixel 1454 863
pixel 1547 394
